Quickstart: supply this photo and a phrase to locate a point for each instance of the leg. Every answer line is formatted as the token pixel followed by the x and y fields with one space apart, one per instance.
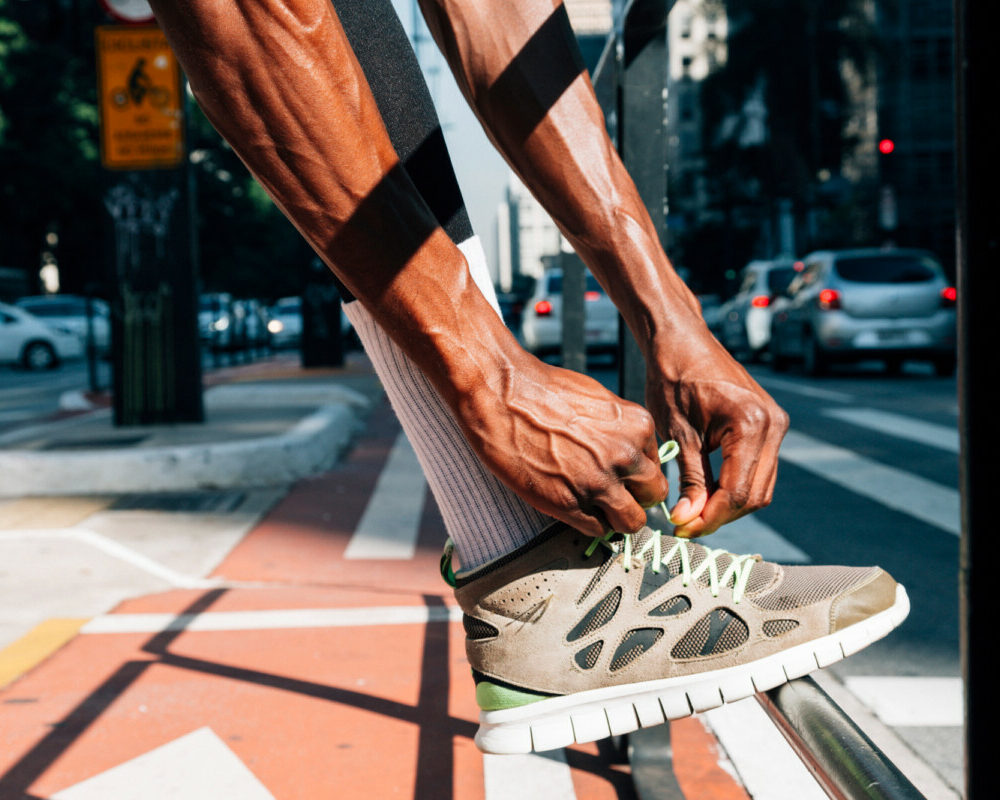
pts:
pixel 483 517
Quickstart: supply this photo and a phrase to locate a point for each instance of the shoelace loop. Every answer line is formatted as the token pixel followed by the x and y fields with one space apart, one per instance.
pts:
pixel 737 571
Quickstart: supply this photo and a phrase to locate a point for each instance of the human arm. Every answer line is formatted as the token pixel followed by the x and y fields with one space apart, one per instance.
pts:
pixel 278 79
pixel 514 61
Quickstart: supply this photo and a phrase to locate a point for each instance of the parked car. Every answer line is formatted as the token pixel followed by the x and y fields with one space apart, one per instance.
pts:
pixel 851 305
pixel 26 340
pixel 69 312
pixel 541 326
pixel 744 321
pixel 216 324
pixel 285 322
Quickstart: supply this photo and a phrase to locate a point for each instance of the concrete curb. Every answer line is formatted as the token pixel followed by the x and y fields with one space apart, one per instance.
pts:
pixel 313 444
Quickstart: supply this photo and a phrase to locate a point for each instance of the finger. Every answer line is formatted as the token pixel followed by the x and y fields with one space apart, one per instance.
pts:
pixel 648 485
pixel 621 510
pixel 695 475
pixel 589 524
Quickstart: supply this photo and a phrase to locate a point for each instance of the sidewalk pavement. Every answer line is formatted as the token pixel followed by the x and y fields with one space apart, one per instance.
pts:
pixel 269 629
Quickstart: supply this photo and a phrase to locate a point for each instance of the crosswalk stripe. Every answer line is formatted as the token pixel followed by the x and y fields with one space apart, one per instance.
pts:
pixel 391 521
pixel 902 701
pixel 901 491
pixel 803 389
pixel 766 763
pixel 903 427
pixel 750 535
pixel 535 776
pixel 746 535
pixel 272 619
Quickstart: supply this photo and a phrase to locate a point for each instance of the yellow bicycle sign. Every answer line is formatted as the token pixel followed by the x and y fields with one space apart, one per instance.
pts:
pixel 140 90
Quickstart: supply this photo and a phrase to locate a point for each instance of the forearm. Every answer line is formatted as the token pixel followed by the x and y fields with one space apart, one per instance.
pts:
pixel 279 81
pixel 553 136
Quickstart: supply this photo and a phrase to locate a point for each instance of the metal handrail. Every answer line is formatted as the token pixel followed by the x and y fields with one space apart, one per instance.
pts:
pixel 842 759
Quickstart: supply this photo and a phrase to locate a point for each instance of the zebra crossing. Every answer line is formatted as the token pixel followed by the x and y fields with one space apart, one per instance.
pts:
pixel 389 530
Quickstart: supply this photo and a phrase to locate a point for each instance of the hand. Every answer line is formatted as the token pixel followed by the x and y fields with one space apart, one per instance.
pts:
pixel 701 397
pixel 567 446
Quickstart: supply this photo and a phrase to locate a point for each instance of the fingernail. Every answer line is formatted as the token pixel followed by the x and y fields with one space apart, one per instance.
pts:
pixel 681 510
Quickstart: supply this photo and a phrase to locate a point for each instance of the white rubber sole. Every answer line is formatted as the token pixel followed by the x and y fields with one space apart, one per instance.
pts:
pixel 599 713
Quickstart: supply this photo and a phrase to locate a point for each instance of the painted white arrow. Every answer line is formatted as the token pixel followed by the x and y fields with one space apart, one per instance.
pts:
pixel 197 766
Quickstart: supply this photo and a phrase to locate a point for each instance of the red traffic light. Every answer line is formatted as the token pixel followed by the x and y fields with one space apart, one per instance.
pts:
pixel 886 146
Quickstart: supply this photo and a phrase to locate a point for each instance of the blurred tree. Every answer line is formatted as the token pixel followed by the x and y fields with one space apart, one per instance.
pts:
pixel 50 172
pixel 48 142
pixel 777 117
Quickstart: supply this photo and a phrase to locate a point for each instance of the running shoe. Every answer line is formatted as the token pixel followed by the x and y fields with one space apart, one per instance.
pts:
pixel 573 639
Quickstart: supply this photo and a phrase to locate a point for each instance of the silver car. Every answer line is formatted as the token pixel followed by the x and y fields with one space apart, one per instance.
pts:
pixel 541 326
pixel 26 340
pixel 853 305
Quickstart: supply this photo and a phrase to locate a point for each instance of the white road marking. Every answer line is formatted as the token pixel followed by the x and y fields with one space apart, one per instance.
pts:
pixel 804 389
pixel 766 763
pixel 389 526
pixel 746 535
pixel 911 701
pixel 272 619
pixel 910 494
pixel 198 766
pixel 939 436
pixel 750 535
pixel 535 776
pixel 115 550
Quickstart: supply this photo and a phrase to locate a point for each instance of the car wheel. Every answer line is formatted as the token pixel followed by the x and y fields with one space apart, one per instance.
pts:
pixel 39 355
pixel 815 360
pixel 944 366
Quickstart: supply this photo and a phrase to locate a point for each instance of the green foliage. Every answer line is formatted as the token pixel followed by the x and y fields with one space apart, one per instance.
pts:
pixel 51 177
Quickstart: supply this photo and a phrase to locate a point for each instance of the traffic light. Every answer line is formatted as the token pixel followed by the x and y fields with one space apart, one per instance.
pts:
pixel 886 146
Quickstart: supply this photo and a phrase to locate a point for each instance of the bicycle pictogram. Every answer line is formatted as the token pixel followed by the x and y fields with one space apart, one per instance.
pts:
pixel 140 87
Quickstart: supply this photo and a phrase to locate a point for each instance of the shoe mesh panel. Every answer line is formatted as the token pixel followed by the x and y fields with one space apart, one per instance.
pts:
pixel 605 558
pixel 635 643
pixel 777 627
pixel 803 586
pixel 477 629
pixel 597 616
pixel 672 607
pixel 587 657
pixel 718 631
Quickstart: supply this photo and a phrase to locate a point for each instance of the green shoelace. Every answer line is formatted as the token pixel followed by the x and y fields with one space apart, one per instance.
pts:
pixel 738 570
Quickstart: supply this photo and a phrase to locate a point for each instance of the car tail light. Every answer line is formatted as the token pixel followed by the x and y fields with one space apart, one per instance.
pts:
pixel 829 299
pixel 591 297
pixel 761 301
pixel 543 308
pixel 948 297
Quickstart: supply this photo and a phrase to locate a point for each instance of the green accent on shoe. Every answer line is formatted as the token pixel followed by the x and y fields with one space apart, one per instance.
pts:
pixel 491 697
pixel 446 571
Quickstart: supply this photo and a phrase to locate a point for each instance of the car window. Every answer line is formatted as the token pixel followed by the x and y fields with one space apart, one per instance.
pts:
pixel 749 279
pixel 887 269
pixel 779 278
pixel 61 308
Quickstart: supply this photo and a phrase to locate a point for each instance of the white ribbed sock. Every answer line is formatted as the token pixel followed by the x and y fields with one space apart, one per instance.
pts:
pixel 484 518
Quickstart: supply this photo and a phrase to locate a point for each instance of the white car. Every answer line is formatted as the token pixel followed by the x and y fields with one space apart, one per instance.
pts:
pixel 541 328
pixel 744 321
pixel 69 312
pixel 26 340
pixel 285 324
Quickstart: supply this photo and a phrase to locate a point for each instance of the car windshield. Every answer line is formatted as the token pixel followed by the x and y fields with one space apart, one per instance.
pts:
pixel 779 278
pixel 62 308
pixel 887 269
pixel 555 283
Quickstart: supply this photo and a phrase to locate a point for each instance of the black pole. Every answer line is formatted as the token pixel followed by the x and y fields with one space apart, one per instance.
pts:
pixel 978 248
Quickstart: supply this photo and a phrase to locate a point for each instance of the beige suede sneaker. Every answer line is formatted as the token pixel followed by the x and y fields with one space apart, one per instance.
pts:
pixel 573 639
